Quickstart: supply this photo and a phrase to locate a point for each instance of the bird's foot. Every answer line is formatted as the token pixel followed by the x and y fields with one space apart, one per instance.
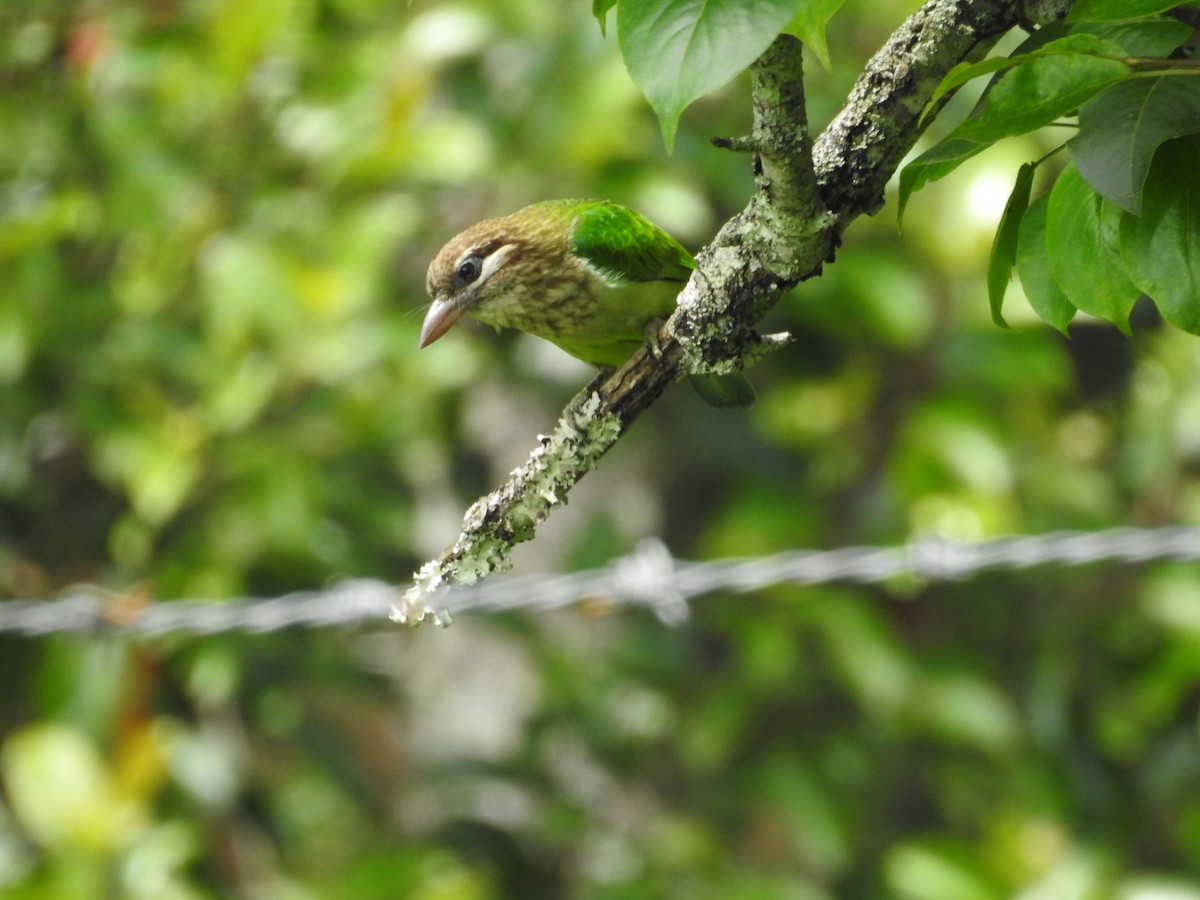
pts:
pixel 652 328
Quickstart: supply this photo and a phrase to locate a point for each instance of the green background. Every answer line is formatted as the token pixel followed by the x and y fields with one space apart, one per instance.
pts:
pixel 215 218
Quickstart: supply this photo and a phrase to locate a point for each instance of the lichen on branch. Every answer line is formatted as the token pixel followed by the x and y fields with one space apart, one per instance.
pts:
pixel 495 523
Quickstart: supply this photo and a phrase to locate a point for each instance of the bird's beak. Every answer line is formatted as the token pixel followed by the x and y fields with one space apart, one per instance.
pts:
pixel 442 314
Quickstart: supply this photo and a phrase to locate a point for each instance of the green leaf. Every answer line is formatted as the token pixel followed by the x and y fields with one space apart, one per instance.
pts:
pixel 1154 37
pixel 1120 130
pixel 1051 79
pixel 600 10
pixel 678 50
pixel 1004 247
pixel 1108 10
pixel 1068 44
pixel 1050 84
pixel 809 25
pixel 1033 268
pixel 968 71
pixel 936 162
pixel 1082 243
pixel 1161 247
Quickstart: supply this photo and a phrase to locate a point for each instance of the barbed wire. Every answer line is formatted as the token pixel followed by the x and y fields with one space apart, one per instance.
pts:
pixel 650 576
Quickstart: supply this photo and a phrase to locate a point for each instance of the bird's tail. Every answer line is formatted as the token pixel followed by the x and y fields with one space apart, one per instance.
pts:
pixel 724 391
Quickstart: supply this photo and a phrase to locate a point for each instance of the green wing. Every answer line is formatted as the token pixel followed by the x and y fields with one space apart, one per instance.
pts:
pixel 626 246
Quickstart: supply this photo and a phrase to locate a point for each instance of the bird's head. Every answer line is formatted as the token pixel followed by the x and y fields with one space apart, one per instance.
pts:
pixel 480 271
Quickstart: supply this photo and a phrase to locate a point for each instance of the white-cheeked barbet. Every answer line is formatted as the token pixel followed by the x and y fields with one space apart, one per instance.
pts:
pixel 592 276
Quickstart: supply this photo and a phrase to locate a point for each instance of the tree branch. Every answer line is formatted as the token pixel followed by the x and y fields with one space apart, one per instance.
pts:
pixel 864 144
pixel 805 196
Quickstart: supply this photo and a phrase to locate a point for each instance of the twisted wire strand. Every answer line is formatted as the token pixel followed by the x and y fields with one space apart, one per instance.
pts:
pixel 650 576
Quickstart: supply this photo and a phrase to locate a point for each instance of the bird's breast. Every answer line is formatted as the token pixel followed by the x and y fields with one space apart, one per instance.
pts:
pixel 584 313
pixel 548 306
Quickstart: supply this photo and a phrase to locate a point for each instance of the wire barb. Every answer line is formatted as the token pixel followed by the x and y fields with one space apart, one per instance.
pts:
pixel 650 577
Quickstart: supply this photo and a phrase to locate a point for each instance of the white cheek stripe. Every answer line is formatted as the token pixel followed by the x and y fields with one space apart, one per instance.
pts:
pixel 490 264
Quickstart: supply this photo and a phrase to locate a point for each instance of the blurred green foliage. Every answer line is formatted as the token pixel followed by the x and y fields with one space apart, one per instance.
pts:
pixel 214 222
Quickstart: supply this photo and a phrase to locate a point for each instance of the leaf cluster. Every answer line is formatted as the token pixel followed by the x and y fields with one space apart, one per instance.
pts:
pixel 1120 220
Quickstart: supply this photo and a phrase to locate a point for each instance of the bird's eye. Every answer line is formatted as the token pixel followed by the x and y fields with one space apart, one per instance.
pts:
pixel 468 270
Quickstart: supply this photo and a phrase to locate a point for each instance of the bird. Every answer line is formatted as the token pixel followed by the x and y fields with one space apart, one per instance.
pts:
pixel 592 276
